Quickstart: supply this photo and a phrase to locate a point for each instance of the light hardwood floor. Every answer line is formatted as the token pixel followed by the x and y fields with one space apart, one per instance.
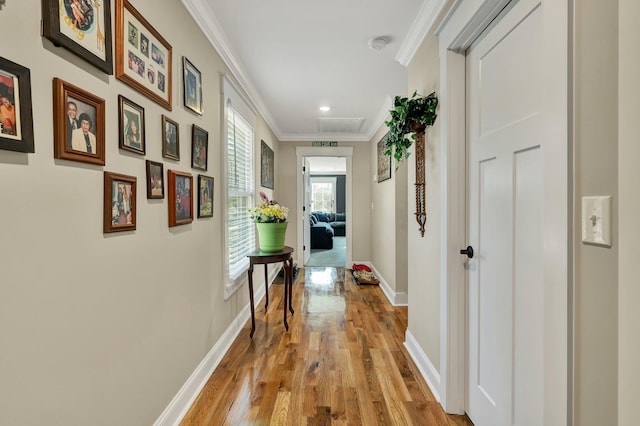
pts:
pixel 342 362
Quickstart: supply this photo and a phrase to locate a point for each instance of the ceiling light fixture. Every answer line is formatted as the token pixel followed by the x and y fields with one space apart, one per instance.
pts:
pixel 325 108
pixel 378 43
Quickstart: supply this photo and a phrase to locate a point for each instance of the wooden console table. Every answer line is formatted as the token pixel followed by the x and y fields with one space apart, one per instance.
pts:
pixel 258 257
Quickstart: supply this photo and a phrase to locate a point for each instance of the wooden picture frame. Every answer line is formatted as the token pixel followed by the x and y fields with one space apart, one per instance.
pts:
pixel 143 56
pixel 119 202
pixel 384 161
pixel 170 138
pixel 199 148
pixel 78 124
pixel 266 165
pixel 205 196
pixel 131 126
pixel 81 27
pixel 155 180
pixel 180 198
pixel 192 86
pixel 16 117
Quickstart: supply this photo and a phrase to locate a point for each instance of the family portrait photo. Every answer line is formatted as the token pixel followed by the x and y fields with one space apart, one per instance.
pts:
pixel 170 139
pixel 180 198
pixel 155 181
pixel 200 148
pixel 119 202
pixel 205 196
pixel 16 124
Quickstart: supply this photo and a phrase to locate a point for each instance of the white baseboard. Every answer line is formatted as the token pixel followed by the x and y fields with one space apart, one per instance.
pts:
pixel 428 371
pixel 180 404
pixel 396 299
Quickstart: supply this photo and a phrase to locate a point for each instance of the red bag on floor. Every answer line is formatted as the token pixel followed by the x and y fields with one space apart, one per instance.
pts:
pixel 360 267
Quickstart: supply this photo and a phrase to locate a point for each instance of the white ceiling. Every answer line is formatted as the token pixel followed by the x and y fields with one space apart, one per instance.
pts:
pixel 292 56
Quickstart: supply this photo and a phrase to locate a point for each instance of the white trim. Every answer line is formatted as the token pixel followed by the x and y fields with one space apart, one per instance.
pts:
pixel 202 14
pixel 180 404
pixel 396 299
pixel 421 26
pixel 428 371
pixel 305 137
pixel 305 151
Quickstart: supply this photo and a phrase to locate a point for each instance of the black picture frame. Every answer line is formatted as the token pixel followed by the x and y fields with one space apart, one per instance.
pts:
pixel 384 161
pixel 192 86
pixel 131 126
pixel 16 129
pixel 205 196
pixel 199 148
pixel 266 165
pixel 155 180
pixel 170 138
pixel 87 38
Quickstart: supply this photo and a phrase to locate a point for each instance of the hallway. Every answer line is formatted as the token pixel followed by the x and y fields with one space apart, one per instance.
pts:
pixel 342 362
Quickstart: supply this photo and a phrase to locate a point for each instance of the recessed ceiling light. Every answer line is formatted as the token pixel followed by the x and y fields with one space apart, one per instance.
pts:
pixel 325 108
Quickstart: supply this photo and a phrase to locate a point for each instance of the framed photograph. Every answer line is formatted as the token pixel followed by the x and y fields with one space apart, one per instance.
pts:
pixel 16 122
pixel 205 196
pixel 143 56
pixel 131 126
pixel 155 180
pixel 180 198
pixel 119 202
pixel 192 86
pixel 199 148
pixel 78 124
pixel 384 162
pixel 83 27
pixel 170 138
pixel 266 166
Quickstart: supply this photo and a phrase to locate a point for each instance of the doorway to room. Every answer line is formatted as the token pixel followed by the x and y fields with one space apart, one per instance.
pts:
pixel 327 177
pixel 324 195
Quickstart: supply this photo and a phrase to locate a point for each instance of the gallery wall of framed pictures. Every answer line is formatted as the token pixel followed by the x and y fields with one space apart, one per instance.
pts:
pixel 81 111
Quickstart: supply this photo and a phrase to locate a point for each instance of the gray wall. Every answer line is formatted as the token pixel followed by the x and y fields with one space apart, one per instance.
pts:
pixel 629 204
pixel 102 329
pixel 596 173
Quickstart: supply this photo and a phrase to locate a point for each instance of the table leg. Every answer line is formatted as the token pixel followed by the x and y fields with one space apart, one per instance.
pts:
pixel 286 295
pixel 291 285
pixel 253 314
pixel 266 288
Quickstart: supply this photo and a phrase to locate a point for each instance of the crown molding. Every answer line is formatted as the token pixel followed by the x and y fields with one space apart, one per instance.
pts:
pixel 340 137
pixel 422 25
pixel 382 116
pixel 211 28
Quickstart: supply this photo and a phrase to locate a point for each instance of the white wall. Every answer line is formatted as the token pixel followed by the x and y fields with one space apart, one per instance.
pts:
pixel 424 252
pixel 95 328
pixel 629 204
pixel 595 173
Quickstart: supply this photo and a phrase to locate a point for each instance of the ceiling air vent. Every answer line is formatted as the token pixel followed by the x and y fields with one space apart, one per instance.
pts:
pixel 340 125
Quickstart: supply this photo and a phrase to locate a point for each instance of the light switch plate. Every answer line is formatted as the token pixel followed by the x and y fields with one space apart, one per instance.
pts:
pixel 596 220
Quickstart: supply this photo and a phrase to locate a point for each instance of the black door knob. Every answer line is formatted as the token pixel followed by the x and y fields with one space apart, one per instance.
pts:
pixel 468 251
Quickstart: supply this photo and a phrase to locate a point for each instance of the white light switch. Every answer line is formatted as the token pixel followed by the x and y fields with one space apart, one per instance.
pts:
pixel 596 220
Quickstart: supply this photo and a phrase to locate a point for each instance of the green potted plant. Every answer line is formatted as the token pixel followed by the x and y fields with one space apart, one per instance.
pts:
pixel 409 115
pixel 271 222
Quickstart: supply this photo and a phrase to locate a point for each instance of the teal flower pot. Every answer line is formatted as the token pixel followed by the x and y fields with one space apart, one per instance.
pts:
pixel 271 236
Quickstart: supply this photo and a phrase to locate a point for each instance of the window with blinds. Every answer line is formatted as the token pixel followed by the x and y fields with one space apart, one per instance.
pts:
pixel 240 164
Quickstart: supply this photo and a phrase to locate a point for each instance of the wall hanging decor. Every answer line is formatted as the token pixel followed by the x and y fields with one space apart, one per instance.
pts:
pixel 199 148
pixel 205 196
pixel 119 202
pixel 412 116
pixel 170 138
pixel 155 180
pixel 82 27
pixel 131 126
pixel 180 198
pixel 266 165
pixel 143 56
pixel 384 161
pixel 78 124
pixel 192 86
pixel 16 122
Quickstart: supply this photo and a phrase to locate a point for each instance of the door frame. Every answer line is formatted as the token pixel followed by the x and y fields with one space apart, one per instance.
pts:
pixel 464 22
pixel 302 152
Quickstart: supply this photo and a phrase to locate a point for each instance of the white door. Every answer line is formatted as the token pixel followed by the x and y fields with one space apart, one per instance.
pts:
pixel 511 142
pixel 306 179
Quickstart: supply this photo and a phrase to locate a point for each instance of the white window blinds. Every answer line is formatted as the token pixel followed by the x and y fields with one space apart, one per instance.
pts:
pixel 240 164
